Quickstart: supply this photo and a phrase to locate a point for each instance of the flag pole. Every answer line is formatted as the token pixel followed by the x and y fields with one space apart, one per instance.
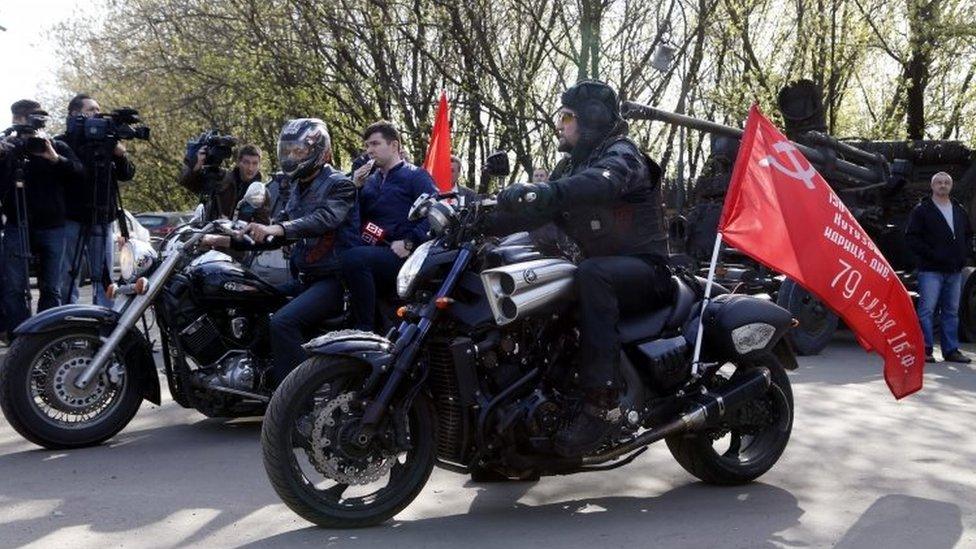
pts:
pixel 695 369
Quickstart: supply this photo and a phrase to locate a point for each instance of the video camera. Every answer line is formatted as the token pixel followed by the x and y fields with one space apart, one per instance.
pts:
pixel 118 125
pixel 29 137
pixel 219 148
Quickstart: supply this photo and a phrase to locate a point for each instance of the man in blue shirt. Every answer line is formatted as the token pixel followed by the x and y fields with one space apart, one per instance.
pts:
pixel 389 186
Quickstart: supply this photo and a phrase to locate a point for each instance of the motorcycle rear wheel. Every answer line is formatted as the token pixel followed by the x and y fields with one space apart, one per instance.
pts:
pixel 295 470
pixel 740 455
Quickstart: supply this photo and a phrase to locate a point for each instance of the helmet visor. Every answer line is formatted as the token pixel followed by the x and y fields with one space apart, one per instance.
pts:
pixel 293 153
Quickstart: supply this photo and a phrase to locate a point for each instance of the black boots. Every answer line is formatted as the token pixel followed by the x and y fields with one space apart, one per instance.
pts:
pixel 956 356
pixel 590 428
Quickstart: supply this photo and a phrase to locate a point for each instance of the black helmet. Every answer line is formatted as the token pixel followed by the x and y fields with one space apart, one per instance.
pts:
pixel 300 146
pixel 597 109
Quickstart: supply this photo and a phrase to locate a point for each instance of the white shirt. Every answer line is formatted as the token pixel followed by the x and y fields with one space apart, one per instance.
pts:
pixel 947 214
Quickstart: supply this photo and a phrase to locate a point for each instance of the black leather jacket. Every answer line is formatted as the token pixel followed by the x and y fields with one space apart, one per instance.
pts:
pixel 609 203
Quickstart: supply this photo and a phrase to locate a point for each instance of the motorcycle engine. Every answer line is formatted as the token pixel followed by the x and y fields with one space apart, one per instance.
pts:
pixel 236 371
pixel 543 415
pixel 201 340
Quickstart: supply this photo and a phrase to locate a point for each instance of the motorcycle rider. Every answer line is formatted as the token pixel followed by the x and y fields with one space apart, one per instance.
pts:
pixel 320 219
pixel 606 196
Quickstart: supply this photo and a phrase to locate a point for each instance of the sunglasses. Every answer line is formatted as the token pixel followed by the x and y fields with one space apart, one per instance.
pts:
pixel 565 117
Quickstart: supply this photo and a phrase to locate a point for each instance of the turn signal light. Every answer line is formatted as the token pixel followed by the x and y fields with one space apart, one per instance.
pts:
pixel 110 291
pixel 401 312
pixel 141 285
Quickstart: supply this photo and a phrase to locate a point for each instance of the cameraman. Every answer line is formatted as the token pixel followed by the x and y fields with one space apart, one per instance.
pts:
pixel 47 171
pixel 91 206
pixel 231 184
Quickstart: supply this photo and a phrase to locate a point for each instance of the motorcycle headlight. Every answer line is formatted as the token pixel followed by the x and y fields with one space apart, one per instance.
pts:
pixel 440 216
pixel 405 280
pixel 135 259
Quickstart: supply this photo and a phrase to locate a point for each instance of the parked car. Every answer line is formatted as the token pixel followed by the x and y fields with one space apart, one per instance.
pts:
pixel 161 224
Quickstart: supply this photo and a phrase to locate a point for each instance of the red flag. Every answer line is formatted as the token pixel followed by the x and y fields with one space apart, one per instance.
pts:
pixel 782 213
pixel 438 162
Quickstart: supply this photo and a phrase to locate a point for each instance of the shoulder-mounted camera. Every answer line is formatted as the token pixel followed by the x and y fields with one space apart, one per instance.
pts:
pixel 28 137
pixel 219 148
pixel 118 125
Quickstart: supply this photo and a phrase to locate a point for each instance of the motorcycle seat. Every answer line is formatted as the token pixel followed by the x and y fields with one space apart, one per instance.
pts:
pixel 650 324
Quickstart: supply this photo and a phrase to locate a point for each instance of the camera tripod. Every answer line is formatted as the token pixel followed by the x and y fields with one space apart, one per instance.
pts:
pixel 102 180
pixel 23 227
pixel 212 177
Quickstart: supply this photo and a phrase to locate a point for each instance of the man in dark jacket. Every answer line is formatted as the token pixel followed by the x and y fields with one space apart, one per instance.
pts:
pixel 466 194
pixel 606 196
pixel 939 234
pixel 47 174
pixel 388 236
pixel 91 206
pixel 321 219
pixel 231 187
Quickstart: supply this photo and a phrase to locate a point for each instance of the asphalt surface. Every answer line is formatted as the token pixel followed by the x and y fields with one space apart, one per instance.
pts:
pixel 861 470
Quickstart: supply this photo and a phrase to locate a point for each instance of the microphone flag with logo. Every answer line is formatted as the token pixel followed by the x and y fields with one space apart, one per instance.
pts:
pixel 782 213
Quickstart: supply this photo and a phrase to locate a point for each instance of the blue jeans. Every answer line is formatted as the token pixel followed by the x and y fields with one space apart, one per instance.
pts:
pixel 940 292
pixel 366 270
pixel 48 246
pixel 292 325
pixel 98 255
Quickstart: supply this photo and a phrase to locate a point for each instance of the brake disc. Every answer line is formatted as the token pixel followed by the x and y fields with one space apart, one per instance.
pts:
pixel 325 453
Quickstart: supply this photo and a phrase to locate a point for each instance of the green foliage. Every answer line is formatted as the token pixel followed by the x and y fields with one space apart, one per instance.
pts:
pixel 245 66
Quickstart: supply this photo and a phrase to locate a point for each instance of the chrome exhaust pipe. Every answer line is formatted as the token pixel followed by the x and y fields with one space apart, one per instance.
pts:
pixel 529 301
pixel 714 406
pixel 522 288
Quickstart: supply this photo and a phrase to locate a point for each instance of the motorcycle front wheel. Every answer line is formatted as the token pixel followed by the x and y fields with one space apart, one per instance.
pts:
pixel 317 461
pixel 40 401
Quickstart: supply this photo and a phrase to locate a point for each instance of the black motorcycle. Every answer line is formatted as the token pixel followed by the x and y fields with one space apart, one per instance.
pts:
pixel 76 374
pixel 481 373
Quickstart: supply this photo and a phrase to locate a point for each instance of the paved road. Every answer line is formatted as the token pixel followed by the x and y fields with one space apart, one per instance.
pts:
pixel 861 471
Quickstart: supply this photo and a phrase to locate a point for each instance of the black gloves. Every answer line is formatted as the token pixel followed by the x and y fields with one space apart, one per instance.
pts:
pixel 537 196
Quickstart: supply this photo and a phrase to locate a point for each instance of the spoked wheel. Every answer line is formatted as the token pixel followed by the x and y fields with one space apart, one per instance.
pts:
pixel 749 441
pixel 322 465
pixel 41 402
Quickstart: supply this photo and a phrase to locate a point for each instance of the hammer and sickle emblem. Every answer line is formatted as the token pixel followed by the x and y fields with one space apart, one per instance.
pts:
pixel 797 171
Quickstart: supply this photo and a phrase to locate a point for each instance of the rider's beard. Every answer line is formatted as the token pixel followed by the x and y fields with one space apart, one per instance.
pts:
pixel 564 145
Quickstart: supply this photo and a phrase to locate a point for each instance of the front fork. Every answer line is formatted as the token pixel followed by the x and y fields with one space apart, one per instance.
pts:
pixel 411 337
pixel 133 310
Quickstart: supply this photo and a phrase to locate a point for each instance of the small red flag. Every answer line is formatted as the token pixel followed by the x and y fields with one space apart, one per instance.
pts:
pixel 782 213
pixel 438 161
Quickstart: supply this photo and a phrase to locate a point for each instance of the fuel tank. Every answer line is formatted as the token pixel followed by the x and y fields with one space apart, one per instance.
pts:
pixel 219 282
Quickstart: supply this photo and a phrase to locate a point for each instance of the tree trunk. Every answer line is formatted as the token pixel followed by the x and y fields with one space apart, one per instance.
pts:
pixel 922 22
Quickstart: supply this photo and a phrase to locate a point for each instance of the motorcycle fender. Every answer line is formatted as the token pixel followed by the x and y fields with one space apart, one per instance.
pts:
pixel 68 316
pixel 366 347
pixel 738 326
pixel 135 347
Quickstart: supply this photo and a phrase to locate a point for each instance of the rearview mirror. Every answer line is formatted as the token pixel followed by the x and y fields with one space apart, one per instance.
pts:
pixel 256 195
pixel 496 165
